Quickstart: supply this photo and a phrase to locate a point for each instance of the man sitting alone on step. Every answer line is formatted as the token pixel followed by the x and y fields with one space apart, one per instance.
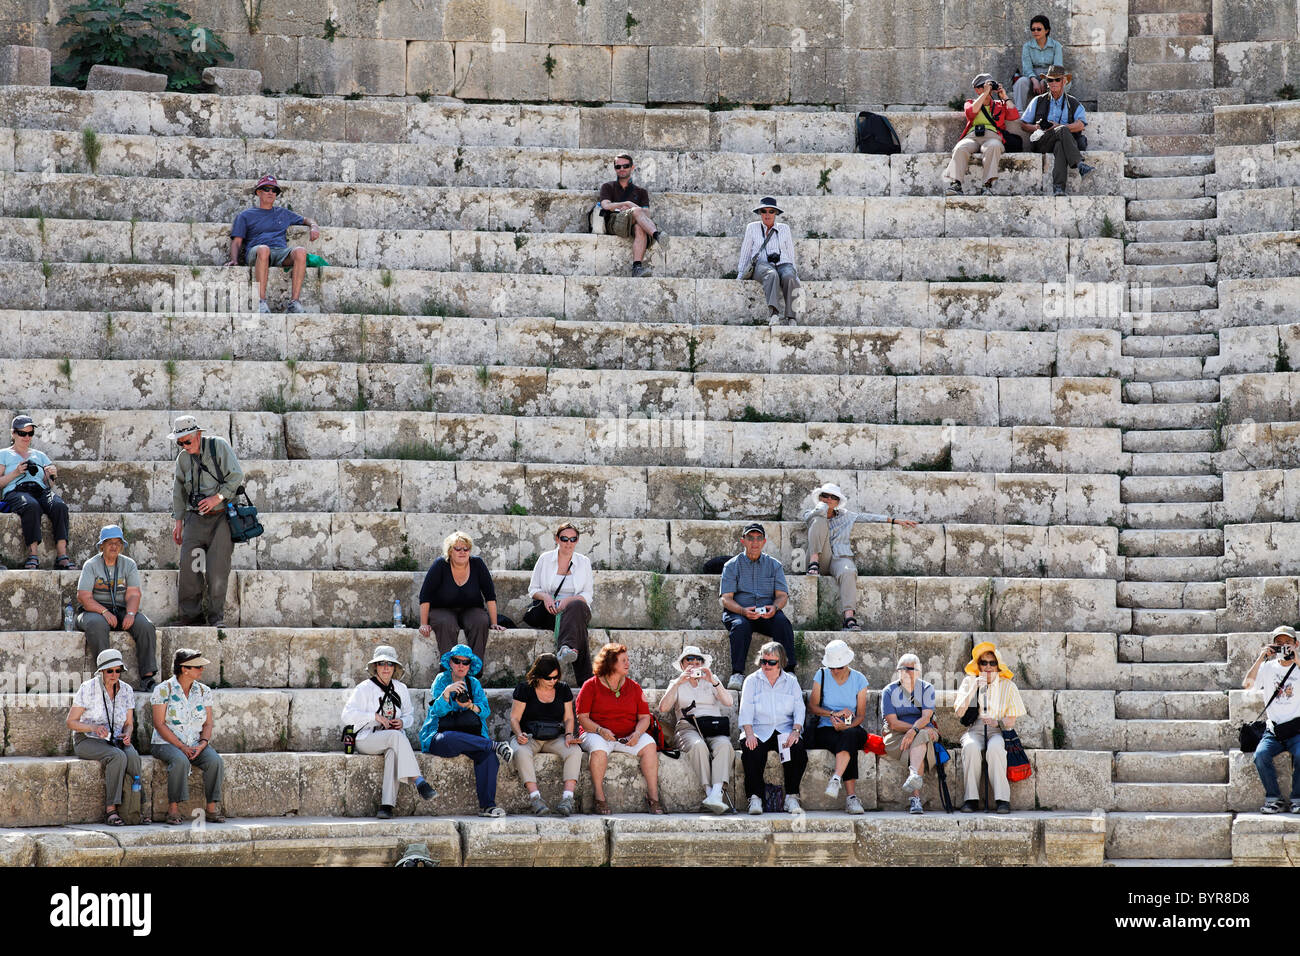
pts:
pixel 625 207
pixel 263 229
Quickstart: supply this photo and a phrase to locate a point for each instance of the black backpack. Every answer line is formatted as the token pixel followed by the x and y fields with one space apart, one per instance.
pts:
pixel 875 134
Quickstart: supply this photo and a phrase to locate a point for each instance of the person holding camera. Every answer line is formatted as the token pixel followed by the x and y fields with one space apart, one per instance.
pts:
pixel 1275 672
pixel 987 116
pixel 541 719
pixel 988 689
pixel 1060 120
pixel 101 718
pixel 767 256
pixel 109 596
pixel 752 592
pixel 27 493
pixel 182 734
pixel 836 708
pixel 378 713
pixel 206 477
pixel 457 724
pixel 562 584
pixel 703 731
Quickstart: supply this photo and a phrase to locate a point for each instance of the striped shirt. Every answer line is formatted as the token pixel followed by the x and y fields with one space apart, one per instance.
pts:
pixel 1001 701
pixel 840 527
pixel 753 583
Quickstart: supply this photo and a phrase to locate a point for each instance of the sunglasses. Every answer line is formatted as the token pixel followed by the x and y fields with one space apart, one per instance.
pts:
pixel 622 165
pixel 1059 79
pixel 767 212
pixel 27 434
pixel 768 663
pixel 829 497
pixel 461 661
pixel 692 660
pixel 459 547
pixel 907 668
pixel 112 670
pixel 551 677
pixel 268 189
pixel 988 663
pixel 1035 29
pixel 567 540
pixel 755 538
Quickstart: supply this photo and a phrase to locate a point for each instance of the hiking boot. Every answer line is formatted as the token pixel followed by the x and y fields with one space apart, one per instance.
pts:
pixel 638 270
pixel 853 805
pixel 970 806
pixel 952 189
pixel 537 805
pixel 1273 805
pixel 1058 190
pixel 567 655
pixel 491 812
pixel 736 682
pixel 755 805
pixel 385 812
pixel 425 790
pixel 1002 806
pixel 914 781
pixel 295 306
pixel 1084 169
pixel 565 807
pixel 914 805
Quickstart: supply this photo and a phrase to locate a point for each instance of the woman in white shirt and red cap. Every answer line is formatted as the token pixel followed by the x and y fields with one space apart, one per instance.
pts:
pixel 703 722
pixel 988 687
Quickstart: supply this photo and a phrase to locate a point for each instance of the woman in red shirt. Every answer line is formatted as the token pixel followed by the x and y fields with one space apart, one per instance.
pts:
pixel 614 715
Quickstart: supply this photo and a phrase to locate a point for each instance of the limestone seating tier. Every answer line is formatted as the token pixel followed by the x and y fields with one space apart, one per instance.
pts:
pixel 34 600
pixel 473 124
pixel 371 206
pixel 486 487
pixel 1027 839
pixel 1262 166
pixel 456 340
pixel 1255 254
pixel 1255 601
pixel 544 167
pixel 1261 396
pixel 1256 348
pixel 1237 125
pixel 1268 548
pixel 704 257
pixel 1269 301
pixel 279 658
pixel 1259 840
pixel 1256 210
pixel 1263 494
pixel 369 541
pixel 575 393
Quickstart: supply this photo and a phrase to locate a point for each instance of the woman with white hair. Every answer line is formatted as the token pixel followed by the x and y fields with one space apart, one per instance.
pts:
pixel 907 711
pixel 829 527
pixel 703 731
pixel 458 595
pixel 839 702
pixel 378 713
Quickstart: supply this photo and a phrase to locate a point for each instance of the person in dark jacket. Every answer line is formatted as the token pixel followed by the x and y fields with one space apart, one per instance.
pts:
pixel 457 595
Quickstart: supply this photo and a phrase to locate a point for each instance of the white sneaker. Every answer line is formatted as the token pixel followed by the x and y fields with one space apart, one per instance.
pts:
pixel 715 804
pixel 567 655
pixel 736 682
pixel 914 781
pixel 755 805
pixel 853 805
pixel 833 788
pixel 792 804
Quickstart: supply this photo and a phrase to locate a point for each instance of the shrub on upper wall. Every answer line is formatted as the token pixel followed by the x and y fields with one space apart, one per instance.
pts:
pixel 153 35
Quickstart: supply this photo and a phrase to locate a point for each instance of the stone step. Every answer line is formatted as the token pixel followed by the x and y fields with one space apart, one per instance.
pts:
pixel 1167 368
pixel 1178 864
pixel 1155 124
pixel 1174 621
pixel 1168 166
pixel 1168 101
pixel 1166 49
pixel 1181 705
pixel 1188 766
pixel 1159 515
pixel 1183 299
pixel 1161 442
pixel 1190 543
pixel 1171 144
pixel 1166 253
pixel 1174 648
pixel 1170 488
pixel 1199 322
pixel 1172 274
pixel 360 598
pixel 1165 230
pixel 1172 392
pixel 1178 676
pixel 1171 187
pixel 1169 6
pixel 1170 209
pixel 1162 594
pixel 1193 415
pixel 1174 463
pixel 1147 734
pixel 1169 24
pixel 1166 797
pixel 1191 75
pixel 1171 570
pixel 1151 346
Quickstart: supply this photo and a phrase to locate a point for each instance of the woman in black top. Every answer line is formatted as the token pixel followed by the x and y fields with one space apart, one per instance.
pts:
pixel 457 595
pixel 541 718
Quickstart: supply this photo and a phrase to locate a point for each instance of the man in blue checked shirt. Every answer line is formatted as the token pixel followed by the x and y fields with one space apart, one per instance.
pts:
pixel 752 592
pixel 1060 118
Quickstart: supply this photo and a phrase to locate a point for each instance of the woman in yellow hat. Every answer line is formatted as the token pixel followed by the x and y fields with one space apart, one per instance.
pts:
pixel 988 687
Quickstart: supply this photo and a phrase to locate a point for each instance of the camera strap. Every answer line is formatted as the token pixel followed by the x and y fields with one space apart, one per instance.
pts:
pixel 1280 685
pixel 108 708
pixel 387 692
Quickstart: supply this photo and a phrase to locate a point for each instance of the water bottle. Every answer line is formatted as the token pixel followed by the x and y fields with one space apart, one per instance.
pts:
pixel 230 509
pixel 69 619
pixel 135 783
pixel 397 613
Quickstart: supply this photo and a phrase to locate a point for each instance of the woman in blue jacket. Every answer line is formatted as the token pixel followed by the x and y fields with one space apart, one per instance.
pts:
pixel 457 724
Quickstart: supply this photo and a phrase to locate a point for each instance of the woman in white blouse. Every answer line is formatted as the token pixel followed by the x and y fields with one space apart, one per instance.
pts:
pixel 703 726
pixel 562 581
pixel 379 712
pixel 103 710
pixel 772 714
pixel 769 248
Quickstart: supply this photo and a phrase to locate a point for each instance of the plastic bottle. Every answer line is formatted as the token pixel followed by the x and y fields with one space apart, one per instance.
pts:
pixel 69 619
pixel 397 613
pixel 135 783
pixel 230 509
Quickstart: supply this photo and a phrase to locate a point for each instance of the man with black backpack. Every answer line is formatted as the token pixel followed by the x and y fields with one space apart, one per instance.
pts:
pixel 987 116
pixel 207 476
pixel 1060 120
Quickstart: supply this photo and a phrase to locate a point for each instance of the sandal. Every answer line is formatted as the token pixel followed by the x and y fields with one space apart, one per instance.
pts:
pixel 174 819
pixel 655 806
pixel 114 819
pixel 32 563
pixel 602 808
pixel 814 568
pixel 63 563
pixel 217 817
pixel 851 624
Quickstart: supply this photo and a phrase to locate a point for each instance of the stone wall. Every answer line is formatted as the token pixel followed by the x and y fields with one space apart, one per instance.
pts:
pixel 912 52
pixel 1256 46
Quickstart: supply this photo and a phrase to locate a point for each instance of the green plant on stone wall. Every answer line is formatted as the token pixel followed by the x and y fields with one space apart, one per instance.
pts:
pixel 630 22
pixel 1107 228
pixel 65 369
pixel 253 14
pixel 1283 358
pixel 406 562
pixel 332 30
pixel 1288 92
pixel 153 35
pixel 824 182
pixel 91 147
pixel 549 65
pixel 656 603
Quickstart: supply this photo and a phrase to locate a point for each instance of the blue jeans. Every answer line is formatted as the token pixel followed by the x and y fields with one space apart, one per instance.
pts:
pixel 1269 748
pixel 453 743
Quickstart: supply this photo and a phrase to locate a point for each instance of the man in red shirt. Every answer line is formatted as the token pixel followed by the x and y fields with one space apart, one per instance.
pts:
pixel 986 121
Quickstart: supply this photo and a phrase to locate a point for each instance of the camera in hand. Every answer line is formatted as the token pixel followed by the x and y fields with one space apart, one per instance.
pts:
pixel 462 696
pixel 979 131
pixel 33 469
pixel 1285 651
pixel 195 498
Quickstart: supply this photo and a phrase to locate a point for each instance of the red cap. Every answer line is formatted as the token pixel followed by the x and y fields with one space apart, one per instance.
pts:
pixel 267 180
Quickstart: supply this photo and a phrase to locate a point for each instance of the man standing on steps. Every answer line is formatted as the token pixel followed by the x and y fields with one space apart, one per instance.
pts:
pixel 1275 672
pixel 625 207
pixel 752 592
pixel 1059 119
pixel 207 476
pixel 264 229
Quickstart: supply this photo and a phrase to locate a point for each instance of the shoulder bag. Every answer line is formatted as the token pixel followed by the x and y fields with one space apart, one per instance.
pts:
pixel 749 270
pixel 243 520
pixel 1249 735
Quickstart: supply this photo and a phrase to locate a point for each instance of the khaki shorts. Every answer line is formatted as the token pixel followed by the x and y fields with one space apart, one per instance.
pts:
pixel 620 224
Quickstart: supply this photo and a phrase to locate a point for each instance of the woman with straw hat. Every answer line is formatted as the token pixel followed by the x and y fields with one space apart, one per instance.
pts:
pixel 108 593
pixel 101 718
pixel 379 711
pixel 989 688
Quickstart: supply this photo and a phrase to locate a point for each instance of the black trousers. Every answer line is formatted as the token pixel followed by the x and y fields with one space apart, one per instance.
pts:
pixel 30 505
pixel 755 760
pixel 741 628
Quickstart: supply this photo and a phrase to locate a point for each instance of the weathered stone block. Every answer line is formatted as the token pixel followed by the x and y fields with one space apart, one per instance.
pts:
pixel 24 66
pixel 103 77
pixel 230 82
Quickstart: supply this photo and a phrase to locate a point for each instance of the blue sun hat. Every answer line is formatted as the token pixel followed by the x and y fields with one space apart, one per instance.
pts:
pixel 108 533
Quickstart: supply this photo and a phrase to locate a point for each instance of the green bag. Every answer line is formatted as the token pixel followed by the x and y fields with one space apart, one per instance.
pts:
pixel 313 262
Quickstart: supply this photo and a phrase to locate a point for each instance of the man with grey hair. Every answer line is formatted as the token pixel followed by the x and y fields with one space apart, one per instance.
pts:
pixel 1275 672
pixel 206 478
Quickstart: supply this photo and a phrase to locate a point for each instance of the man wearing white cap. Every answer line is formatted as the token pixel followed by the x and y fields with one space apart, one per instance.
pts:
pixel 206 478
pixel 109 595
pixel 829 527
pixel 1275 672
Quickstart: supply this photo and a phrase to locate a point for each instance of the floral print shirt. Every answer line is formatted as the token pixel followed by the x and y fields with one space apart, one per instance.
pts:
pixel 185 716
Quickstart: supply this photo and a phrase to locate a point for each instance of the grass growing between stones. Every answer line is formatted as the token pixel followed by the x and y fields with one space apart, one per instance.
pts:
pixel 1221 416
pixel 406 562
pixel 277 403
pixel 416 451
pixel 961 276
pixel 1283 358
pixel 91 147
pixel 751 414
pixel 656 604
